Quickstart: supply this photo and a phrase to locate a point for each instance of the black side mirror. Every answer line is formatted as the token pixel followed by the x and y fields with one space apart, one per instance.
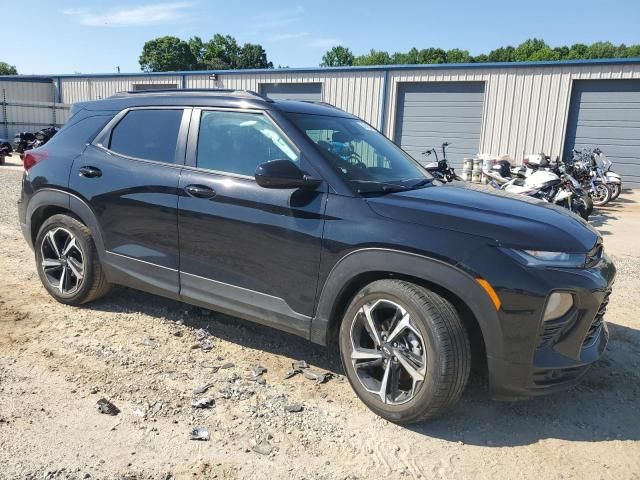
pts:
pixel 283 174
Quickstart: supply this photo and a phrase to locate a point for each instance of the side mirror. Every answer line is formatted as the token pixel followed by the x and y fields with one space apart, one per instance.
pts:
pixel 283 174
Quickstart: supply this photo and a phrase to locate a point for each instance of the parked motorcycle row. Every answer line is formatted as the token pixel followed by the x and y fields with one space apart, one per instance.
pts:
pixel 578 184
pixel 24 141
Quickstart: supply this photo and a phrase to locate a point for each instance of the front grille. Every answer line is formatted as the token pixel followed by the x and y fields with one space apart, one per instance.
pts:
pixel 594 329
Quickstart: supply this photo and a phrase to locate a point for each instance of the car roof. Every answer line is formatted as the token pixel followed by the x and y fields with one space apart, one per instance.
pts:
pixel 209 98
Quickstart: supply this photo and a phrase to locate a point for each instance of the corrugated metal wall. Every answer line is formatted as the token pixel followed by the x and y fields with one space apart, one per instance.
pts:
pixel 525 109
pixel 78 89
pixel 28 105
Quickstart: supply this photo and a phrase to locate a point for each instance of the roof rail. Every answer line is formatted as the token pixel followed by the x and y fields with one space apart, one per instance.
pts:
pixel 213 91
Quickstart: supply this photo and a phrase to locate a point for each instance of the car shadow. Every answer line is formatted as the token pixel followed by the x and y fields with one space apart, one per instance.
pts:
pixel 241 332
pixel 603 216
pixel 603 407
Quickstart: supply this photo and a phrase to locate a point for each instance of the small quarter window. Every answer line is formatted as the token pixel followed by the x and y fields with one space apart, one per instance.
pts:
pixel 148 134
pixel 237 142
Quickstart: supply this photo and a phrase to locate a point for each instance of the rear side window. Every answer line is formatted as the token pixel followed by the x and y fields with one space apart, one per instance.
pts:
pixel 148 134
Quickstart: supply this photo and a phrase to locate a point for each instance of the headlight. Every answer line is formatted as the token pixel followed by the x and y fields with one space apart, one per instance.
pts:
pixel 540 258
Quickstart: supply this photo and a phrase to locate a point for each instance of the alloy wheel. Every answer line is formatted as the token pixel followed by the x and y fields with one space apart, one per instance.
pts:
pixel 62 261
pixel 388 352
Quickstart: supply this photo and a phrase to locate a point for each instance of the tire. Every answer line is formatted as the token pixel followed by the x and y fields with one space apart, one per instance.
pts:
pixel 580 207
pixel 616 189
pixel 433 334
pixel 602 195
pixel 588 202
pixel 84 280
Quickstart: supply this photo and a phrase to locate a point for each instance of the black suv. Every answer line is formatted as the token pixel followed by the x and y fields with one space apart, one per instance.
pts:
pixel 300 216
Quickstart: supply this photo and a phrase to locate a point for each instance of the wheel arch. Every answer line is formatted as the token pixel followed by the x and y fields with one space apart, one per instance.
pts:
pixel 48 202
pixel 361 267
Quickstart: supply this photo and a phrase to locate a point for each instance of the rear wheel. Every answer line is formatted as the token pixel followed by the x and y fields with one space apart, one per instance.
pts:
pixel 405 351
pixel 67 261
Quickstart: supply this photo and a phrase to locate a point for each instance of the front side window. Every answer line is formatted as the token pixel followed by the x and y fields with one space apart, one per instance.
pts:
pixel 149 134
pixel 366 159
pixel 237 142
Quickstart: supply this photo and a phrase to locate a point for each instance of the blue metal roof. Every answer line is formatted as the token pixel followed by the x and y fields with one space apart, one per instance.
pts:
pixel 433 66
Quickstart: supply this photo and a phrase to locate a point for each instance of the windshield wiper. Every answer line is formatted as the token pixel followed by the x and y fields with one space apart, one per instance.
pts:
pixel 378 187
pixel 420 183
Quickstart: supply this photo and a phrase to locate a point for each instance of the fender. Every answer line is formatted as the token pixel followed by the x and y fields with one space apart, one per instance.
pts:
pixel 431 270
pixel 46 197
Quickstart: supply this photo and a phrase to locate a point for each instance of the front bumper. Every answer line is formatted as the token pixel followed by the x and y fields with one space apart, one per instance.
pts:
pixel 543 357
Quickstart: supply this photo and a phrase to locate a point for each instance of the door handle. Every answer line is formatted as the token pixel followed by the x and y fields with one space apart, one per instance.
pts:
pixel 89 172
pixel 200 191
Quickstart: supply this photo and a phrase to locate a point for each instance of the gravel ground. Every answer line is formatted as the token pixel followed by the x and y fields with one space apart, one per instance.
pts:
pixel 145 355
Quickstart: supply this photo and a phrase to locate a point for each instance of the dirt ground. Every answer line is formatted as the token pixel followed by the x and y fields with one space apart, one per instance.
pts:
pixel 144 354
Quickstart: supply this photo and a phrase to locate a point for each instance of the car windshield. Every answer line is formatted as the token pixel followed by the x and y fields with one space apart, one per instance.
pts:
pixel 361 155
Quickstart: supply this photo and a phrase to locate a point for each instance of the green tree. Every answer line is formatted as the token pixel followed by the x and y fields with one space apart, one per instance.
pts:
pixel 374 57
pixel 6 69
pixel 222 52
pixel 578 51
pixel 196 45
pixel 527 50
pixel 409 58
pixel 338 56
pixel 432 55
pixel 253 56
pixel 602 50
pixel 502 54
pixel 456 55
pixel 166 54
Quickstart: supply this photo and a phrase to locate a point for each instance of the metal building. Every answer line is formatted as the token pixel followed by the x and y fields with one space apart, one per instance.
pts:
pixel 494 109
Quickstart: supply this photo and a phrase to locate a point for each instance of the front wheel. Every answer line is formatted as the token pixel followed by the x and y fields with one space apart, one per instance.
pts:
pixel 67 261
pixel 616 189
pixel 601 195
pixel 405 351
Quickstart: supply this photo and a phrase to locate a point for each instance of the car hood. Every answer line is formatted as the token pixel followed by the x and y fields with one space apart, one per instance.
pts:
pixel 477 210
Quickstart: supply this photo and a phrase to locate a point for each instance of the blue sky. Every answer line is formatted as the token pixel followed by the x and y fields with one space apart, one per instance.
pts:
pixel 95 36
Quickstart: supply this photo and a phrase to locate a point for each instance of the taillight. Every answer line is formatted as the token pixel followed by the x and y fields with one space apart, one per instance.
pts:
pixel 31 157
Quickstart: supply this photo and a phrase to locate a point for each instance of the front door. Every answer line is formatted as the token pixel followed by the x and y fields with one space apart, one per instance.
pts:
pixel 129 177
pixel 245 249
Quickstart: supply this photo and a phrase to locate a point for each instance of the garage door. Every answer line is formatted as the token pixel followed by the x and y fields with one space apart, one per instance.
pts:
pixel 292 91
pixel 432 113
pixel 606 114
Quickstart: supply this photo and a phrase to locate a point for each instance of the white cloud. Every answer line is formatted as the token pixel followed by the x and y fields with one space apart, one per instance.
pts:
pixel 130 16
pixel 325 42
pixel 288 36
pixel 278 19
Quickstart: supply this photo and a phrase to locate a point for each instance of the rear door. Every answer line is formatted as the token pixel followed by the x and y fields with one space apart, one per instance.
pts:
pixel 245 249
pixel 129 177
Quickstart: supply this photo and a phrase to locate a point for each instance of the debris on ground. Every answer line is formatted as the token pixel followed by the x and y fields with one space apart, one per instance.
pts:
pixel 293 408
pixel 154 409
pixel 214 368
pixel 203 403
pixel 300 366
pixel 255 374
pixel 227 365
pixel 149 342
pixel 202 389
pixel 199 433
pixel 106 407
pixel 262 448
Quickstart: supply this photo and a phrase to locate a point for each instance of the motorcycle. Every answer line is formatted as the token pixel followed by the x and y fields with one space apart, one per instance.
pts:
pixel 588 167
pixel 440 169
pixel 24 141
pixel 613 180
pixel 539 183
